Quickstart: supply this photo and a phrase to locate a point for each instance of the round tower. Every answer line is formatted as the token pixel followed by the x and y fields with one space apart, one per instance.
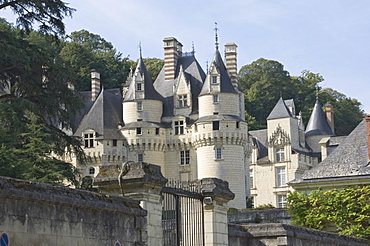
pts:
pixel 220 134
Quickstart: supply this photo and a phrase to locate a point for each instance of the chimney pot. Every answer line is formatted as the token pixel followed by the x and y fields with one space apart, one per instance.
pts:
pixel 95 84
pixel 231 62
pixel 330 116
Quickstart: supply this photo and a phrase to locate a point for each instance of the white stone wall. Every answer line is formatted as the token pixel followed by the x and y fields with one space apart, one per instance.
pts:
pixel 228 104
pixel 151 111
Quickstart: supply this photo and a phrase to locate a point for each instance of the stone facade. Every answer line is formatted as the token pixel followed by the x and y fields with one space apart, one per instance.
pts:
pixel 39 214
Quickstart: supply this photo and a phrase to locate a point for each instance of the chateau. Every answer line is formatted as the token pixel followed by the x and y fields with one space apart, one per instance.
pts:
pixel 192 124
pixel 189 122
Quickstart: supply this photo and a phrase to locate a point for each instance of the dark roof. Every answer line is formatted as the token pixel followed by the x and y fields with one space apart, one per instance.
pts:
pixel 280 111
pixel 104 116
pixel 259 138
pixel 350 158
pixel 317 124
pixel 144 124
pixel 149 92
pixel 225 81
pixel 194 75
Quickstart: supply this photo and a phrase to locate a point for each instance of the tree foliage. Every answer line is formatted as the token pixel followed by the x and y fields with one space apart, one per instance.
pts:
pixel 346 211
pixel 264 81
pixel 35 107
pixel 84 51
pixel 49 14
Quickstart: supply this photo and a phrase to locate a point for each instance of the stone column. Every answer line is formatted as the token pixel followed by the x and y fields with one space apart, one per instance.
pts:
pixel 216 194
pixel 141 181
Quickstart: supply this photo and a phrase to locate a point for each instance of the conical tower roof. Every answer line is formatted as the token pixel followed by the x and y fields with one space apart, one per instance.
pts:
pixel 149 92
pixel 318 125
pixel 280 111
pixel 225 81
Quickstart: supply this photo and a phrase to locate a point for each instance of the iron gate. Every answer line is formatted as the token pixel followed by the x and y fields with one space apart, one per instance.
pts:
pixel 182 214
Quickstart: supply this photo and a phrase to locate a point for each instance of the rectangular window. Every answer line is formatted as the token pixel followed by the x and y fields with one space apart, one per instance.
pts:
pixel 237 124
pixel 138 87
pixel 215 98
pixel 182 101
pixel 218 153
pixel 179 127
pixel 139 106
pixel 89 140
pixel 216 125
pixel 280 154
pixel 156 131
pixel 114 142
pixel 138 131
pixel 214 79
pixel 140 157
pixel 282 201
pixel 251 178
pixel 184 157
pixel 280 173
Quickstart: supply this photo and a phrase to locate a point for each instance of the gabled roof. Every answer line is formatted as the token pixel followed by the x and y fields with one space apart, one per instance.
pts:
pixel 317 124
pixel 104 116
pixel 149 92
pixel 259 138
pixel 280 111
pixel 225 81
pixel 349 159
pixel 193 73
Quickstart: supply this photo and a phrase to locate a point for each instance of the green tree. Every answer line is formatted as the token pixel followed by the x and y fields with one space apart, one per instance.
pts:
pixel 84 51
pixel 49 14
pixel 263 82
pixel 33 92
pixel 154 66
pixel 346 211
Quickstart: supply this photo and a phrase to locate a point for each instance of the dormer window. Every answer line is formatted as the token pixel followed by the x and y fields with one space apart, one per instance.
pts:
pixel 182 101
pixel 89 140
pixel 214 79
pixel 280 154
pixel 138 86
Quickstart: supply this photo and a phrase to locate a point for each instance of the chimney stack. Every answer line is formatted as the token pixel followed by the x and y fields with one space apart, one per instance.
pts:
pixel 330 116
pixel 231 62
pixel 367 119
pixel 95 84
pixel 172 50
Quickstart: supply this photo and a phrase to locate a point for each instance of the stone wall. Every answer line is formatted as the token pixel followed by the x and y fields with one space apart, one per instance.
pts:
pixel 33 213
pixel 275 234
pixel 260 216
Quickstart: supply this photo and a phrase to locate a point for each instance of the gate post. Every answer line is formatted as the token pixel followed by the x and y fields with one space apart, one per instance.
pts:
pixel 144 182
pixel 216 194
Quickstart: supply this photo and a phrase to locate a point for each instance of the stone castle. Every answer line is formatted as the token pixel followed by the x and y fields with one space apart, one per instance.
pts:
pixel 192 124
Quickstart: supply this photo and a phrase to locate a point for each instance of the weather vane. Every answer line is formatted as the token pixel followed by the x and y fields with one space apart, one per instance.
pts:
pixel 317 92
pixel 216 36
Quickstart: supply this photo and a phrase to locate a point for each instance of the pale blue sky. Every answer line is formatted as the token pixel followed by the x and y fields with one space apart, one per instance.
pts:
pixel 327 37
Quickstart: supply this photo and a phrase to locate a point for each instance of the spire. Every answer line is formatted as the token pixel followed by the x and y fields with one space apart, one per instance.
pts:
pixel 216 35
pixel 317 124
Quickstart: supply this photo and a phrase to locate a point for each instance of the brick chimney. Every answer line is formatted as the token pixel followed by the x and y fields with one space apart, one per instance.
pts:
pixel 367 118
pixel 172 50
pixel 231 62
pixel 330 116
pixel 95 84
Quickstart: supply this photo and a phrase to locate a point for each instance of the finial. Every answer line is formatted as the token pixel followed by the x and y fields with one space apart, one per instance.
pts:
pixel 216 35
pixel 140 48
pixel 207 66
pixel 192 48
pixel 317 92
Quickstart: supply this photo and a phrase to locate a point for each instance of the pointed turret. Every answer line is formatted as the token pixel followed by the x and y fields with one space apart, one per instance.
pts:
pixel 317 124
pixel 280 110
pixel 317 128
pixel 142 101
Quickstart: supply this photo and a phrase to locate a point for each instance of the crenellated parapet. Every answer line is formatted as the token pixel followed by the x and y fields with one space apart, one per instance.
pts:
pixel 219 137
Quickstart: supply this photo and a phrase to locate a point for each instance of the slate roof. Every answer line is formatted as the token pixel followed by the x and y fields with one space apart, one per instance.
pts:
pixel 149 92
pixel 194 75
pixel 349 159
pixel 259 138
pixel 225 81
pixel 104 116
pixel 219 117
pixel 280 110
pixel 317 124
